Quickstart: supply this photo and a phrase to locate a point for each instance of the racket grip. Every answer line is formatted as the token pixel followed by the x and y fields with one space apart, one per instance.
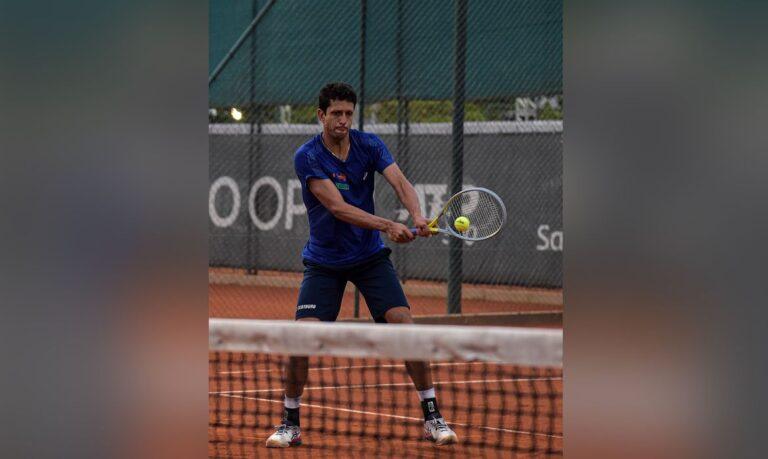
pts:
pixel 415 231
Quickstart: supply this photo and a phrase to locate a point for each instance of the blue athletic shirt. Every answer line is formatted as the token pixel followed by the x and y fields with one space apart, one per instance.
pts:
pixel 332 241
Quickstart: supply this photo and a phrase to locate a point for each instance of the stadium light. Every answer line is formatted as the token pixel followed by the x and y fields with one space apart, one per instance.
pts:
pixel 237 115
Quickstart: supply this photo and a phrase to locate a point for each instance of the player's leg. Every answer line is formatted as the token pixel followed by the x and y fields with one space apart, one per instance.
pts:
pixel 319 300
pixel 435 427
pixel 288 433
pixel 377 281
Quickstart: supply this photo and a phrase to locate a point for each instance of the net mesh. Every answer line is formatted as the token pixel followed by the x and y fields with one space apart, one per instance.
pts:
pixel 500 389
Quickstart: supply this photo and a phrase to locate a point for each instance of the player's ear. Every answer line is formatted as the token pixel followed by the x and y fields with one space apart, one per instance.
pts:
pixel 320 115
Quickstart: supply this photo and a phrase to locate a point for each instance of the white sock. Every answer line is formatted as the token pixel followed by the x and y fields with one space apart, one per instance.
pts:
pixel 429 393
pixel 292 403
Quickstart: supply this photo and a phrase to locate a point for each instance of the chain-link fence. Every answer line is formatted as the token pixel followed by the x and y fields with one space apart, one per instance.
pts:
pixel 409 61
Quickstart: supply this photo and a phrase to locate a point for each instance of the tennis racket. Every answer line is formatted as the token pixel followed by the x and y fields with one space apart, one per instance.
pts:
pixel 482 207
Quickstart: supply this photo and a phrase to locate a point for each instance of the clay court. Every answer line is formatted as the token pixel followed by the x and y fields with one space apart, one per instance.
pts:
pixel 272 295
pixel 356 407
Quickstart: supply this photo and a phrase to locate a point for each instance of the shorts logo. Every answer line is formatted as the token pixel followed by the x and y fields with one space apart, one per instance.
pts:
pixel 306 306
pixel 342 186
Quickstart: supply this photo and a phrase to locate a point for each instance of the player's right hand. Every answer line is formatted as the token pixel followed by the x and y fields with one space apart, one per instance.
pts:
pixel 422 226
pixel 397 232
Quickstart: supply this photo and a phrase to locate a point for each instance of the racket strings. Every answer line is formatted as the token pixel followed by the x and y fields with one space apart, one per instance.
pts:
pixel 484 211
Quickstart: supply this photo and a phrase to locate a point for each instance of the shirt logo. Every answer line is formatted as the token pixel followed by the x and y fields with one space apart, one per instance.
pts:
pixel 340 177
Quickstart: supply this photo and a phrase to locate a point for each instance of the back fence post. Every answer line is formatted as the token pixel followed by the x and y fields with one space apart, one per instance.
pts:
pixel 457 173
pixel 361 102
pixel 401 254
pixel 253 117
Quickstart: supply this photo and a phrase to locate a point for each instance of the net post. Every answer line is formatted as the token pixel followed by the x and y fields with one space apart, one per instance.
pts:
pixel 457 172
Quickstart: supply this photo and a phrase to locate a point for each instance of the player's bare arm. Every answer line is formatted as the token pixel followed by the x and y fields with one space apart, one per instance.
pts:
pixel 408 197
pixel 331 198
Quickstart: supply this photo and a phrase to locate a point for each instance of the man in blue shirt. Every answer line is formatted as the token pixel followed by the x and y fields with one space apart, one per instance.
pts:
pixel 336 170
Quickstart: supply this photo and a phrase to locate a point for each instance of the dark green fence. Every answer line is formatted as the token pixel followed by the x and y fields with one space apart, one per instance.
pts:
pixel 423 69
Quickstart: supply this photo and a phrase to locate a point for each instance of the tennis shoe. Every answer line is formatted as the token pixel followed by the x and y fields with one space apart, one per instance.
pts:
pixel 286 435
pixel 438 431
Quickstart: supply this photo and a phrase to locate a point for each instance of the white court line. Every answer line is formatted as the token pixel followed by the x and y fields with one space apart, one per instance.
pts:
pixel 407 418
pixel 363 386
pixel 358 367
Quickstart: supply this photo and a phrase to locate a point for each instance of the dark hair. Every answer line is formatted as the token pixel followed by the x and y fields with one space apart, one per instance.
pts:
pixel 336 91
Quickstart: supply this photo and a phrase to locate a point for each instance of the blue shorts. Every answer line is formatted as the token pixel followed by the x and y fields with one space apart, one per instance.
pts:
pixel 323 287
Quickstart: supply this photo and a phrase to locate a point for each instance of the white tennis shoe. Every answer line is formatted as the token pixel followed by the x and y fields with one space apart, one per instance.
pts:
pixel 285 436
pixel 438 431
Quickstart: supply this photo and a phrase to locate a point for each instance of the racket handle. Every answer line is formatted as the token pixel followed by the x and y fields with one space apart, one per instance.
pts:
pixel 415 231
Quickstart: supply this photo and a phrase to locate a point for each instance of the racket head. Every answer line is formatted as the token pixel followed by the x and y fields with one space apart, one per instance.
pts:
pixel 484 209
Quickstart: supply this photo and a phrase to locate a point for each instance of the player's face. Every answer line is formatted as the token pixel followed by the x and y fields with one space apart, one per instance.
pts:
pixel 337 118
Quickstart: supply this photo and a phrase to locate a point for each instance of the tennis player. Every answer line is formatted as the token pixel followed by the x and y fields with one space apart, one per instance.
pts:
pixel 336 169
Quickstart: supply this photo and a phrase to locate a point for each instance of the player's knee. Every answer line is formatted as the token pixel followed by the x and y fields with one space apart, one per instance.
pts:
pixel 399 315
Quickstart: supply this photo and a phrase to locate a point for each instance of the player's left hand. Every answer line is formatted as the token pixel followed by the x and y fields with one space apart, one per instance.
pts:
pixel 399 233
pixel 422 225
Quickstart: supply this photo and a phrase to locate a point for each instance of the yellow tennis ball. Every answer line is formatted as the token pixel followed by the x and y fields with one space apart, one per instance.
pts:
pixel 461 224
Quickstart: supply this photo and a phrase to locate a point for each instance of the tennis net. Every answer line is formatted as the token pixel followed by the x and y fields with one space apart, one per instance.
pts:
pixel 499 389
